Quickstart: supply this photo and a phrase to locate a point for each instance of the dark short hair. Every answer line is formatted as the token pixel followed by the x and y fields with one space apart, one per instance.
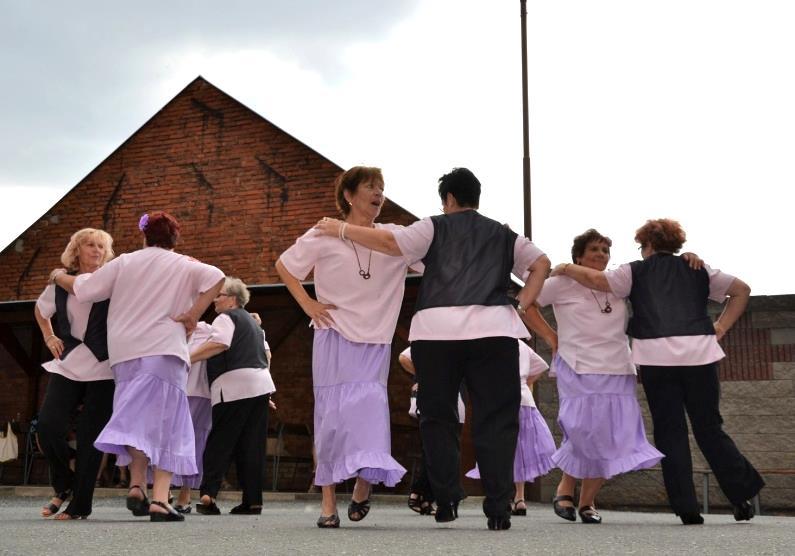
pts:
pixel 463 185
pixel 663 234
pixel 350 181
pixel 582 241
pixel 162 230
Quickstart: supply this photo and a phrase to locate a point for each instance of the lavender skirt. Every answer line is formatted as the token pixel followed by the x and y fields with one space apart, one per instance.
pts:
pixel 201 414
pixel 352 425
pixel 150 413
pixel 534 448
pixel 603 432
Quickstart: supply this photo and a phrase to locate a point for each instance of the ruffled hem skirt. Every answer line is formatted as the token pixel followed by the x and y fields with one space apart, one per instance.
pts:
pixel 352 421
pixel 151 414
pixel 603 431
pixel 534 448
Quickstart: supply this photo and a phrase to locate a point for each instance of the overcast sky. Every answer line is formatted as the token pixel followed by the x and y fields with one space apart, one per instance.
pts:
pixel 639 109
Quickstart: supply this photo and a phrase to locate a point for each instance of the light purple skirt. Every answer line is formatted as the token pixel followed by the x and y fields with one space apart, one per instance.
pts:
pixel 352 425
pixel 534 448
pixel 150 413
pixel 201 414
pixel 603 432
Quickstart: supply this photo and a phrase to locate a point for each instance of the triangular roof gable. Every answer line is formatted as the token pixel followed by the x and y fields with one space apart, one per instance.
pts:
pixel 242 188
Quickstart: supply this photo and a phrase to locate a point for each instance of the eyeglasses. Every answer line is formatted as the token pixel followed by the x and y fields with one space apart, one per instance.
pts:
pixel 226 294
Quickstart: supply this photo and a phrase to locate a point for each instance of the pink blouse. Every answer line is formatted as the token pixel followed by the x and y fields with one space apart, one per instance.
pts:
pixel 589 341
pixel 367 310
pixel 530 364
pixel 146 289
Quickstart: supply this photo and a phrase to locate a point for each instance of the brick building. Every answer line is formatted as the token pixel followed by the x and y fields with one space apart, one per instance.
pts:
pixel 243 190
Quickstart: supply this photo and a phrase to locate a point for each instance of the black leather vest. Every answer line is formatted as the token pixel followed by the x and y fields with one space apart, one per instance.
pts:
pixel 668 299
pixel 469 262
pixel 96 336
pixel 247 350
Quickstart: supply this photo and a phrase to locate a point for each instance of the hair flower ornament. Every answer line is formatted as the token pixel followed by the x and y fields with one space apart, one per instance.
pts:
pixel 142 223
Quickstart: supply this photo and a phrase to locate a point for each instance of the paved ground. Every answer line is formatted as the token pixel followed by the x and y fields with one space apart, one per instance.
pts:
pixel 288 527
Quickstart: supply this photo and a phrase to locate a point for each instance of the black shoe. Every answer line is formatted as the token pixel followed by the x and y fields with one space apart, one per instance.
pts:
pixel 51 509
pixel 138 506
pixel 691 518
pixel 170 515
pixel 246 510
pixel 186 509
pixel 518 511
pixel 357 511
pixel 446 512
pixel 588 514
pixel 499 523
pixel 744 512
pixel 566 512
pixel 328 521
pixel 208 509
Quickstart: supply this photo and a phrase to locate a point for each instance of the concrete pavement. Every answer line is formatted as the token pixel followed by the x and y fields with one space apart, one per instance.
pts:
pixel 288 527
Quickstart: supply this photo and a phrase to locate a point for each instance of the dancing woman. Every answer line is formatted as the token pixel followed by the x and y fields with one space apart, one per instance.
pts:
pixel 359 294
pixel 155 294
pixel 675 342
pixel 599 415
pixel 79 375
pixel 240 389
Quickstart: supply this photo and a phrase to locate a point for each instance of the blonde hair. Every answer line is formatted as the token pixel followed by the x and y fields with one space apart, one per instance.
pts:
pixel 69 258
pixel 236 287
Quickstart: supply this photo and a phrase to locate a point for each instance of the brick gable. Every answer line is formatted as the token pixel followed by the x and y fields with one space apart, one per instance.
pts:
pixel 242 188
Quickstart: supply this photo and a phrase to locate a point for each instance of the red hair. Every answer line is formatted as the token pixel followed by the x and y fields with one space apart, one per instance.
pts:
pixel 162 230
pixel 662 234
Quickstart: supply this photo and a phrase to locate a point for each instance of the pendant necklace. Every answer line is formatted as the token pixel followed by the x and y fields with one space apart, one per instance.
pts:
pixel 607 308
pixel 365 274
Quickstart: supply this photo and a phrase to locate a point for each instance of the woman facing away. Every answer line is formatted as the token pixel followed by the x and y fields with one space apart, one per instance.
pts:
pixel 155 295
pixel 675 343
pixel 79 375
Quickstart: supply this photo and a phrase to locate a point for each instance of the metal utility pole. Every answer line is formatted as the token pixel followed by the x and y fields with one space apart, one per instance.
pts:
pixel 528 217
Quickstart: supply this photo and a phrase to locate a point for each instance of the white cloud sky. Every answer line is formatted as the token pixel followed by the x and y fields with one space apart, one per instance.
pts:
pixel 680 109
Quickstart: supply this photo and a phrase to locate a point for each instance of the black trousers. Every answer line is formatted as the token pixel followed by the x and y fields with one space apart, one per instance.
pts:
pixel 239 433
pixel 421 484
pixel 672 391
pixel 62 398
pixel 490 369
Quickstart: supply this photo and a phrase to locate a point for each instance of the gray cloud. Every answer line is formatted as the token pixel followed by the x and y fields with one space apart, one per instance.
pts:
pixel 74 74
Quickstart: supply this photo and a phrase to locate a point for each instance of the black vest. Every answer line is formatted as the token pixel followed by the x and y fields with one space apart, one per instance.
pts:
pixel 469 262
pixel 247 350
pixel 668 299
pixel 96 336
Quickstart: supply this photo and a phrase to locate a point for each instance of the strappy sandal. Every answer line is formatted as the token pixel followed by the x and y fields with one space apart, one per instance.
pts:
pixel 138 506
pixel 566 512
pixel 170 515
pixel 328 521
pixel 51 509
pixel 67 516
pixel 515 510
pixel 415 504
pixel 427 508
pixel 186 509
pixel 588 514
pixel 357 511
